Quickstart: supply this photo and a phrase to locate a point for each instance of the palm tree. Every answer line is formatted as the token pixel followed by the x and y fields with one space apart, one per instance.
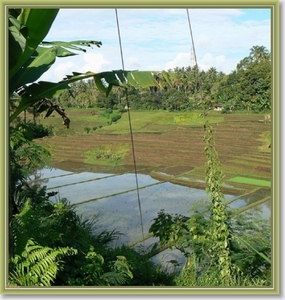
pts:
pixel 259 53
pixel 244 63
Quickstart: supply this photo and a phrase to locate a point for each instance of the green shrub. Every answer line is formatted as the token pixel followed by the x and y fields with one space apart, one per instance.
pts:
pixel 106 113
pixel 112 115
pixel 40 130
pixel 145 272
pixel 107 154
pixel 87 129
pixel 249 247
pixel 115 116
pixel 55 226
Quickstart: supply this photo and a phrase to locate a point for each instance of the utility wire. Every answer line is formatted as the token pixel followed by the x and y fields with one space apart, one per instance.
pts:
pixel 194 52
pixel 131 130
pixel 192 39
pixel 120 42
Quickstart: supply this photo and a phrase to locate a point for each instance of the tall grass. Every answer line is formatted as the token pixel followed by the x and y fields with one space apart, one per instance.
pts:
pixel 109 154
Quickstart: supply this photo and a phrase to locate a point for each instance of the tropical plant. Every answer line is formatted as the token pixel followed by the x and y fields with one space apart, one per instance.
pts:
pixel 259 53
pixel 145 272
pixel 39 130
pixel 246 88
pixel 87 129
pixel 121 268
pixel 29 58
pixel 220 230
pixel 46 230
pixel 209 240
pixel 25 157
pixel 37 265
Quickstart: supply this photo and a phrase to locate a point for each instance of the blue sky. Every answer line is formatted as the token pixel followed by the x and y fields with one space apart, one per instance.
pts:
pixel 159 39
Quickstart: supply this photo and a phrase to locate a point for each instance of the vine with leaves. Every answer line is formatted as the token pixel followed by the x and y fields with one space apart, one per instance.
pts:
pixel 219 232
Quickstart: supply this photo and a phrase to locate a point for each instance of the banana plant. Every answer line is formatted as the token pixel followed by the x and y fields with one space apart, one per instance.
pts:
pixel 30 57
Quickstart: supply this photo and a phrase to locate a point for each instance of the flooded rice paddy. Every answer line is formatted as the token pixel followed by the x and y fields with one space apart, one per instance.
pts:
pixel 114 200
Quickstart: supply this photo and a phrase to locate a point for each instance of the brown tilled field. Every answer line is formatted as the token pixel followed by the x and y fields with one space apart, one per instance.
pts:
pixel 170 150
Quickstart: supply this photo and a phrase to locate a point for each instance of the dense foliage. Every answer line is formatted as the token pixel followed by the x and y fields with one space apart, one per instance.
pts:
pixel 248 87
pixel 85 257
pixel 216 244
pixel 206 266
pixel 49 243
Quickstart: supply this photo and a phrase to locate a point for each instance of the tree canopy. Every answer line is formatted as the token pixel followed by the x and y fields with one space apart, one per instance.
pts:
pixel 248 87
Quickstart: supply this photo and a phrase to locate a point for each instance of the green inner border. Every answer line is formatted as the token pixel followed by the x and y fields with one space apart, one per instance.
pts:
pixel 275 30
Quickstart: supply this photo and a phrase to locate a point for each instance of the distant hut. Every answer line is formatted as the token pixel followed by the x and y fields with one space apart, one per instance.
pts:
pixel 218 107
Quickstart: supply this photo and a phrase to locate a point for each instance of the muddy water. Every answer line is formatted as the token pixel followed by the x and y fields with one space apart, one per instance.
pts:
pixel 114 200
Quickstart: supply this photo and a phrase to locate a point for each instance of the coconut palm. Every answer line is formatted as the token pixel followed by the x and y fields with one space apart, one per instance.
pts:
pixel 259 53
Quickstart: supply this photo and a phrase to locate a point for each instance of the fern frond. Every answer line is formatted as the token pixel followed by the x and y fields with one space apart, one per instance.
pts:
pixel 37 265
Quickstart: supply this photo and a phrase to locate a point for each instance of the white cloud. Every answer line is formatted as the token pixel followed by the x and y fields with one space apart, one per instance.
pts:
pixel 203 41
pixel 94 62
pixel 132 63
pixel 181 60
pixel 58 71
pixel 220 62
pixel 159 38
pixel 209 61
pixel 154 67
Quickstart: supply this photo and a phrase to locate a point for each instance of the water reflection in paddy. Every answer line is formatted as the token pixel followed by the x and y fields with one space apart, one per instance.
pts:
pixel 114 198
pixel 121 212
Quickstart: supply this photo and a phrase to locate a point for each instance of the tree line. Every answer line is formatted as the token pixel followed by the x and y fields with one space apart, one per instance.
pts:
pixel 50 244
pixel 248 87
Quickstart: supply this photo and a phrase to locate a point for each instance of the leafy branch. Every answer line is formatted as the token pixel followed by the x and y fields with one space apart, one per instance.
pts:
pixel 30 57
pixel 219 233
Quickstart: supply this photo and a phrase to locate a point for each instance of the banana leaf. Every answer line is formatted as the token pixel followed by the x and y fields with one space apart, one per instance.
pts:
pixel 104 81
